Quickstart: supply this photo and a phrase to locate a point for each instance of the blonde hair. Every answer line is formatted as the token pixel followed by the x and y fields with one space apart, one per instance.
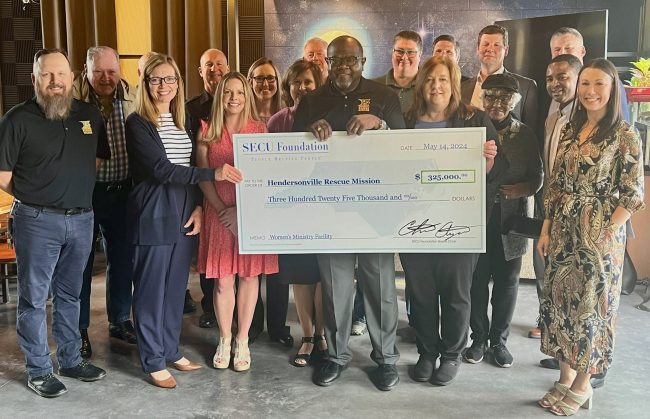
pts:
pixel 276 100
pixel 144 104
pixel 216 121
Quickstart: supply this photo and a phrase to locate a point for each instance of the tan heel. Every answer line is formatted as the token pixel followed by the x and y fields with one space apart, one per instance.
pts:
pixel 561 408
pixel 221 358
pixel 242 360
pixel 550 399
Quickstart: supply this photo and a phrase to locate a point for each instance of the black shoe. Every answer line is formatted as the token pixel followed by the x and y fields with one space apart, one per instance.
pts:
pixel 207 320
pixel 424 367
pixel 446 373
pixel 123 331
pixel 47 386
pixel 85 371
pixel 86 350
pixel 502 356
pixel 189 306
pixel 597 380
pixel 550 363
pixel 328 373
pixel 387 377
pixel 475 353
pixel 286 340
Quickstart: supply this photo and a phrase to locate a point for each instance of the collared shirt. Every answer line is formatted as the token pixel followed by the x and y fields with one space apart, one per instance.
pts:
pixel 556 120
pixel 477 95
pixel 328 103
pixel 117 168
pixel 405 94
pixel 53 161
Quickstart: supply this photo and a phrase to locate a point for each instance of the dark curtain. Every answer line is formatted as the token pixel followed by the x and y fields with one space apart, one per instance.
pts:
pixel 183 30
pixel 75 25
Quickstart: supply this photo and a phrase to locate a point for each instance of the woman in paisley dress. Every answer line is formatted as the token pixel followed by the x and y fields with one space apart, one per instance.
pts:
pixel 597 184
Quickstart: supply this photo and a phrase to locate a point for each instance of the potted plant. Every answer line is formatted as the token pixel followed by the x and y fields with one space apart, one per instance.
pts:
pixel 638 89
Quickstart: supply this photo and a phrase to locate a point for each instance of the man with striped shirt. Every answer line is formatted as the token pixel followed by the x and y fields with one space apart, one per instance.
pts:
pixel 101 85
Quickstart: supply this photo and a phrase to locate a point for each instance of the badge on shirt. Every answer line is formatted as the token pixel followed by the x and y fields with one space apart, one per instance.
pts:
pixel 86 128
pixel 364 105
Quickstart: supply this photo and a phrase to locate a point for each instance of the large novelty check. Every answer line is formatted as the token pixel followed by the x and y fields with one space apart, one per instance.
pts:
pixel 384 191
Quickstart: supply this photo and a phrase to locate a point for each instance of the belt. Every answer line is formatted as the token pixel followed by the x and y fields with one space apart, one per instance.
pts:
pixel 114 186
pixel 62 211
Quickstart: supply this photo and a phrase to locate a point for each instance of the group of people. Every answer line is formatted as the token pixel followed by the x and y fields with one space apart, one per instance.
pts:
pixel 163 167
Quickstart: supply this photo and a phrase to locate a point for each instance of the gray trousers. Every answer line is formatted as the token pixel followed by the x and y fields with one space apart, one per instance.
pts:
pixel 376 273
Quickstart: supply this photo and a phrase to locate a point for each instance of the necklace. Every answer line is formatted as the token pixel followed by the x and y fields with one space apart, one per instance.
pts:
pixel 590 134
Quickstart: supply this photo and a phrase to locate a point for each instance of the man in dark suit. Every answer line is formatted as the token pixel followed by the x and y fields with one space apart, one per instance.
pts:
pixel 212 66
pixel 492 48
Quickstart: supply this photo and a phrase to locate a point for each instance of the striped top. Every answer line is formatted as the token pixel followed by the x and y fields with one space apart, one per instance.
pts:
pixel 178 145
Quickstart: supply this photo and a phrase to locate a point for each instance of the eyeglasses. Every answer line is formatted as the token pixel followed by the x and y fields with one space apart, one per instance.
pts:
pixel 497 98
pixel 159 80
pixel 349 61
pixel 262 79
pixel 411 53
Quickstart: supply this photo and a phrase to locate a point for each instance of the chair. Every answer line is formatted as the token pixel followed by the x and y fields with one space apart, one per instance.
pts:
pixel 7 259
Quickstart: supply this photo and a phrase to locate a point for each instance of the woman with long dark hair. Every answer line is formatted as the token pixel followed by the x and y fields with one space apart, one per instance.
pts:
pixel 597 184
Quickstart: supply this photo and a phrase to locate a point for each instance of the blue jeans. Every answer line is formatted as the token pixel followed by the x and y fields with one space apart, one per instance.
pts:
pixel 110 219
pixel 51 252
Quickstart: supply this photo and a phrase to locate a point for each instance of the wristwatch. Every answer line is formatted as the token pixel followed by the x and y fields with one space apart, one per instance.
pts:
pixel 383 125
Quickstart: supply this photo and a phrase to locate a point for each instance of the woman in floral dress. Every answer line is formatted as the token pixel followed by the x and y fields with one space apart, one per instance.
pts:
pixel 597 184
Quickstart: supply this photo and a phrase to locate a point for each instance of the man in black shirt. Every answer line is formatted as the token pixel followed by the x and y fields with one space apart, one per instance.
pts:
pixel 212 66
pixel 349 102
pixel 50 148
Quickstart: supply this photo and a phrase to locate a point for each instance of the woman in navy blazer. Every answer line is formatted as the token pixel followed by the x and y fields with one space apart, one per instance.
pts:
pixel 164 215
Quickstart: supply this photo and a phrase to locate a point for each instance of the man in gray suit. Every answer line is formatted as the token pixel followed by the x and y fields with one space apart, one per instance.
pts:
pixel 340 105
pixel 492 48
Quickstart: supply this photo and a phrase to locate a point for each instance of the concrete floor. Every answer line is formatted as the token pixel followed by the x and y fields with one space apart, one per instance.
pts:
pixel 274 388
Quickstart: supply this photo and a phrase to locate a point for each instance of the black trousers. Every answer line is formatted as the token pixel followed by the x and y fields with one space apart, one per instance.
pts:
pixel 438 287
pixel 505 276
pixel 207 287
pixel 277 304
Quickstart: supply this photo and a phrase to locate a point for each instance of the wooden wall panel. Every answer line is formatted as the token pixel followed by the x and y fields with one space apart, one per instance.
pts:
pixel 133 23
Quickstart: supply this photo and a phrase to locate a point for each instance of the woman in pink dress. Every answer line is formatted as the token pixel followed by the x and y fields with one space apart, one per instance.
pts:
pixel 232 113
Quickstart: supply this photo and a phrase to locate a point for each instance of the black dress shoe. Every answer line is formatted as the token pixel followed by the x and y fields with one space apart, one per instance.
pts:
pixel 286 340
pixel 123 331
pixel 84 371
pixel 47 386
pixel 550 363
pixel 207 320
pixel 328 373
pixel 446 373
pixel 86 350
pixel 189 306
pixel 424 368
pixel 387 377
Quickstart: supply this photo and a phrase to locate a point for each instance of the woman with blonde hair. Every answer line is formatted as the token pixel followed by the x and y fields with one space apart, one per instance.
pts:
pixel 219 258
pixel 164 215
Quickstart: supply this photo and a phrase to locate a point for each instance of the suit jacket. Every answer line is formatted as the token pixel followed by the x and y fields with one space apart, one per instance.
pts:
pixel 164 194
pixel 525 111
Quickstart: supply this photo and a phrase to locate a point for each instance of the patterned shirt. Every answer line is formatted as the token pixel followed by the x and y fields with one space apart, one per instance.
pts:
pixel 117 168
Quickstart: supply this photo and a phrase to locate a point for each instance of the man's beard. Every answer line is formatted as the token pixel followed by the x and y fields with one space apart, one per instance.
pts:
pixel 55 107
